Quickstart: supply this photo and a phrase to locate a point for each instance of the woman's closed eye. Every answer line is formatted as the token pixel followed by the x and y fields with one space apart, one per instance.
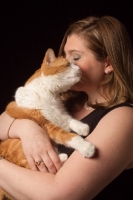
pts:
pixel 75 58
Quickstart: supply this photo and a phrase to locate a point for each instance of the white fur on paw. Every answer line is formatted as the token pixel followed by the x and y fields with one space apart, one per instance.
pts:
pixel 79 127
pixel 86 148
pixel 63 157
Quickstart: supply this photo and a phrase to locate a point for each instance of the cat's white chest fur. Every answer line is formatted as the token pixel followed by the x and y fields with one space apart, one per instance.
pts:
pixel 43 93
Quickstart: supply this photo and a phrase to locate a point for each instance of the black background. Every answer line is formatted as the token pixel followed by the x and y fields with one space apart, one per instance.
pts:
pixel 29 27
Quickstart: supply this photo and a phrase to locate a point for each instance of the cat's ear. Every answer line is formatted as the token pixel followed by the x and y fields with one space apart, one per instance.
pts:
pixel 49 56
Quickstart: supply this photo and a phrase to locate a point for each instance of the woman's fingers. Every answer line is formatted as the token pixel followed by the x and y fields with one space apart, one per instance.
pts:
pixel 31 163
pixel 49 162
pixel 35 165
pixel 55 159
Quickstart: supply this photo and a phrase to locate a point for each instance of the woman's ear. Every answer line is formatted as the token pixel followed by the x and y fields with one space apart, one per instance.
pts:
pixel 108 67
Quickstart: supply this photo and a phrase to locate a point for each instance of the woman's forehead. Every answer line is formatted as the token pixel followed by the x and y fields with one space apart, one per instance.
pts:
pixel 74 43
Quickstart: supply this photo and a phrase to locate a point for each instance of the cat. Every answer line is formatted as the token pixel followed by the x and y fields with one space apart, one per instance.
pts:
pixel 39 100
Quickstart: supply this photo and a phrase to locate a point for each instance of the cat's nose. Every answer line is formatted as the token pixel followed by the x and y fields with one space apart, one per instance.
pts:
pixel 76 66
pixel 73 65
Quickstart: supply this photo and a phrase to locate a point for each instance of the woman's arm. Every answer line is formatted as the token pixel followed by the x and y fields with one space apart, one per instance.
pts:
pixel 5 122
pixel 35 142
pixel 79 178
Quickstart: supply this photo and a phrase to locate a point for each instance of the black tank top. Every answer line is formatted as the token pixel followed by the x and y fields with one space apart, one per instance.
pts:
pixel 120 188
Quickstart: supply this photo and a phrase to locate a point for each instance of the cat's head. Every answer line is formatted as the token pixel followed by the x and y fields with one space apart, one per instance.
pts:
pixel 58 73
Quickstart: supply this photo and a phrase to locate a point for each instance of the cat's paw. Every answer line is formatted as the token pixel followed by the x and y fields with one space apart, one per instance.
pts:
pixel 79 127
pixel 84 129
pixel 86 148
pixel 63 157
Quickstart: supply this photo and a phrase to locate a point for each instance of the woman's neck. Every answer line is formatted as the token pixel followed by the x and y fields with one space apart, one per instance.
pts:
pixel 83 112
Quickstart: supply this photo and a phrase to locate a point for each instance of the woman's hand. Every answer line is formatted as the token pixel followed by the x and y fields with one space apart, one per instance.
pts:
pixel 37 146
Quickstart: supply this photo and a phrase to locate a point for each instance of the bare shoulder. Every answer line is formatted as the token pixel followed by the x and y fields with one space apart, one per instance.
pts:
pixel 117 122
pixel 118 118
pixel 113 135
pixel 123 112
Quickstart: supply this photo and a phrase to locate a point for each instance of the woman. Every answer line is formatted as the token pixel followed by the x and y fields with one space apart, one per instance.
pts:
pixel 103 98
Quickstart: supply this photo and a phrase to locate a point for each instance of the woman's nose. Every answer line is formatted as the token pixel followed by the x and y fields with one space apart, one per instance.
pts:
pixel 69 59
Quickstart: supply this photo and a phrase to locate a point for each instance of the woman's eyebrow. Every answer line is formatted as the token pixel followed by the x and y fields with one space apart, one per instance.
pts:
pixel 73 50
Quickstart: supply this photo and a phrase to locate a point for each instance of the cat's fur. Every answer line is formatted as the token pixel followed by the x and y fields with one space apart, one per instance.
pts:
pixel 39 100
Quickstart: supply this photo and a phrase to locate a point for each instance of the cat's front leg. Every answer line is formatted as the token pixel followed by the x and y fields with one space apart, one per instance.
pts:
pixel 79 127
pixel 86 148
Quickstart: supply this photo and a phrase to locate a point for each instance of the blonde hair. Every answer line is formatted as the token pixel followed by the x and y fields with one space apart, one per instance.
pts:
pixel 107 37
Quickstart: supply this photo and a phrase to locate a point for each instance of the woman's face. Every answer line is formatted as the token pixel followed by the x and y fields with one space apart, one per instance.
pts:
pixel 93 71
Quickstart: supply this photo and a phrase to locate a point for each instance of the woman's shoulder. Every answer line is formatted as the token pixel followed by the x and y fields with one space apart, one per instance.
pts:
pixel 123 110
pixel 116 127
pixel 119 108
pixel 113 136
pixel 118 116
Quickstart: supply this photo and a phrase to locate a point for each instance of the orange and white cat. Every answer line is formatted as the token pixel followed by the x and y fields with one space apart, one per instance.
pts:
pixel 39 100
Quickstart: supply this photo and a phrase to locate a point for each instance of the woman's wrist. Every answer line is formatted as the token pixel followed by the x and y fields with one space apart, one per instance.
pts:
pixel 5 123
pixel 21 128
pixel 15 128
pixel 12 131
pixel 8 131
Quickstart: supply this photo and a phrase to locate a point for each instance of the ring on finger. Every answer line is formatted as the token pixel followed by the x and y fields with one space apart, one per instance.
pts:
pixel 37 163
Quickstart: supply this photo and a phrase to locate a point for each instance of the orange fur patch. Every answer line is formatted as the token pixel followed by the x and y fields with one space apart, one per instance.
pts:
pixel 57 66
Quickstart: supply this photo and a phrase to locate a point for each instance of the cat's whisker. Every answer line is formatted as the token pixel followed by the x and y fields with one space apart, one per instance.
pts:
pixel 83 78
